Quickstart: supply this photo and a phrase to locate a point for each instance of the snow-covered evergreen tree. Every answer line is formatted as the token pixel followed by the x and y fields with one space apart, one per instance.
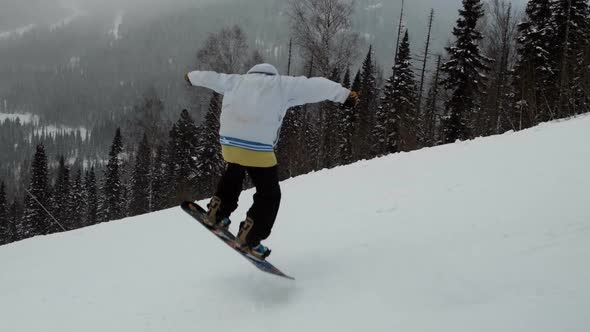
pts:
pixel 366 109
pixel 35 220
pixel 533 72
pixel 5 232
pixel 501 35
pixel 586 70
pixel 465 73
pixel 182 154
pixel 310 139
pixel 112 188
pixel 14 216
pixel 91 197
pixel 289 152
pixel 346 125
pixel 60 199
pixel 569 22
pixel 396 128
pixel 429 124
pixel 330 116
pixel 77 203
pixel 171 167
pixel 210 164
pixel 159 193
pixel 288 148
pixel 141 179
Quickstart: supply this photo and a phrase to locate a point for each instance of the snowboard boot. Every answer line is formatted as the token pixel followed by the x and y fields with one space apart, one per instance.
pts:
pixel 223 224
pixel 260 251
pixel 245 228
pixel 212 218
pixel 222 229
pixel 257 251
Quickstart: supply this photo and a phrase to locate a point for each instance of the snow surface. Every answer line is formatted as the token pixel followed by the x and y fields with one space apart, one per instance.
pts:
pixel 486 235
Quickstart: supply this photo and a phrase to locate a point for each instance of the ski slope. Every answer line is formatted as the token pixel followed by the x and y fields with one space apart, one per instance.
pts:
pixel 486 235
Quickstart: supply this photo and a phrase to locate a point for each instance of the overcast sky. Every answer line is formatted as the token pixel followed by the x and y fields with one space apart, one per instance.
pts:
pixel 18 13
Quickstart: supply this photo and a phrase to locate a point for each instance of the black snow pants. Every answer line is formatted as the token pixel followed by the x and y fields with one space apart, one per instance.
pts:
pixel 266 199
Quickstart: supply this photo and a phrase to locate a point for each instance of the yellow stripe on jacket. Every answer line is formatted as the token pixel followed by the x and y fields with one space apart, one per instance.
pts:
pixel 248 158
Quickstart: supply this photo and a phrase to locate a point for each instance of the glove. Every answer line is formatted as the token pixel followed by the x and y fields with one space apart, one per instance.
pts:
pixel 353 100
pixel 187 79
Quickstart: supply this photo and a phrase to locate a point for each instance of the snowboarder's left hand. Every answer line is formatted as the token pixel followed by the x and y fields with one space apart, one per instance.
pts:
pixel 187 79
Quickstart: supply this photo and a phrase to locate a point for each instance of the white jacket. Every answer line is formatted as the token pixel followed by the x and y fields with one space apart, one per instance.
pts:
pixel 255 104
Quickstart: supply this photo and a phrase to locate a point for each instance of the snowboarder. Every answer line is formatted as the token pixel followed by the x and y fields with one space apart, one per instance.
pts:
pixel 252 113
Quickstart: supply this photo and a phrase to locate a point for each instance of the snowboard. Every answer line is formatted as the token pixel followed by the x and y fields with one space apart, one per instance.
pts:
pixel 198 213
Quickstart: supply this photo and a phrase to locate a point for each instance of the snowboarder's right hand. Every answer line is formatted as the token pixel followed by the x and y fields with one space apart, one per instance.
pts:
pixel 353 100
pixel 187 79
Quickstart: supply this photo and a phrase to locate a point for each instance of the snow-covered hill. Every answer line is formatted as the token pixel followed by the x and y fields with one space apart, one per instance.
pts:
pixel 486 235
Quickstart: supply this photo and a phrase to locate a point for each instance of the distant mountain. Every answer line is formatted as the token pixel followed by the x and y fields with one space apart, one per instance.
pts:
pixel 81 63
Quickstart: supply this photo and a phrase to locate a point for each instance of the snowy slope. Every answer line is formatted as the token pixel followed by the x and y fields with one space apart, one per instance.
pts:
pixel 487 235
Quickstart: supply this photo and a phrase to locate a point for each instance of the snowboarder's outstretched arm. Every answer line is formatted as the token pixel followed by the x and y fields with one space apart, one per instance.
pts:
pixel 217 82
pixel 303 90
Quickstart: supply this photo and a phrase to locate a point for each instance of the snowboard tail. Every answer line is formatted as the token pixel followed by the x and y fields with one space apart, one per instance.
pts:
pixel 198 213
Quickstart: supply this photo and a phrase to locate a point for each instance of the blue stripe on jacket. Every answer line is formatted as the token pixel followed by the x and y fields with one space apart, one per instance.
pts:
pixel 248 145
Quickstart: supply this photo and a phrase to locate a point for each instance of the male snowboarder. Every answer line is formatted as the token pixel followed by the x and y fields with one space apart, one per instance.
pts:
pixel 252 113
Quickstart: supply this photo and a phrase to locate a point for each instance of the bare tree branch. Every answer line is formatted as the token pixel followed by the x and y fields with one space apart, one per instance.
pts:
pixel 225 51
pixel 322 29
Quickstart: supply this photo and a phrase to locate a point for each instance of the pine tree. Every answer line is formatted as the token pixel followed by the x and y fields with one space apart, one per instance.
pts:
pixel 586 63
pixel 533 72
pixel 310 135
pixel 210 164
pixel 366 109
pixel 465 73
pixel 77 203
pixel 159 193
pixel 330 116
pixel 91 197
pixel 425 60
pixel 182 152
pixel 288 149
pixel 569 22
pixel 289 152
pixel 353 123
pixel 428 119
pixel 171 167
pixel 399 33
pixel 346 125
pixel 35 220
pixel 310 139
pixel 5 231
pixel 501 35
pixel 60 199
pixel 396 129
pixel 14 216
pixel 586 70
pixel 356 82
pixel 141 179
pixel 112 189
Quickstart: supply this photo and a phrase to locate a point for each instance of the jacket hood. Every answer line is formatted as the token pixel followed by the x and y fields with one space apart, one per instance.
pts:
pixel 264 68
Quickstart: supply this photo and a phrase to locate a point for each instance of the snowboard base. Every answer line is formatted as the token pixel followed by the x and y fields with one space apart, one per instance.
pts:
pixel 198 213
